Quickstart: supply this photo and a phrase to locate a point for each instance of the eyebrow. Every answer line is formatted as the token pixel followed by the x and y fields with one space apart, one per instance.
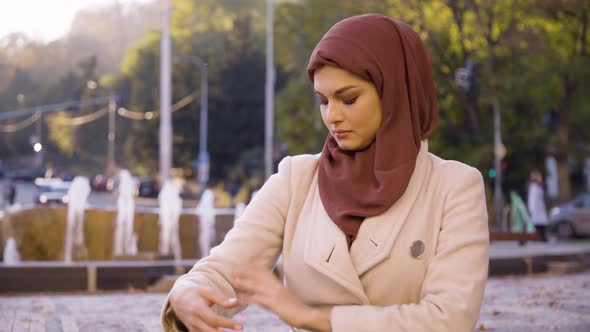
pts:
pixel 341 90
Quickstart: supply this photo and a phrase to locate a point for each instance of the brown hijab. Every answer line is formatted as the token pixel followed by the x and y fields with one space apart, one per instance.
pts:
pixel 354 185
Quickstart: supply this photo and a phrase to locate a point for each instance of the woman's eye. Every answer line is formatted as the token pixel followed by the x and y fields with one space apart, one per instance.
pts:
pixel 323 102
pixel 350 101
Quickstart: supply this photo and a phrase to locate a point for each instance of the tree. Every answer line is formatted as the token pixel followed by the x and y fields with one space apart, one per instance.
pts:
pixel 228 37
pixel 565 27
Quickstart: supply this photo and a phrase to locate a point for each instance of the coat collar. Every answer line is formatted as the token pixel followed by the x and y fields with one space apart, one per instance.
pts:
pixel 326 249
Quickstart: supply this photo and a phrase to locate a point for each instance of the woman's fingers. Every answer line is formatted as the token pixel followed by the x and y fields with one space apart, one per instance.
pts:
pixel 245 299
pixel 200 326
pixel 212 319
pixel 255 285
pixel 216 298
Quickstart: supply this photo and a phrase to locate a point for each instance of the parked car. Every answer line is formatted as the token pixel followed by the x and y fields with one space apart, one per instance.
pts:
pixel 26 174
pixel 148 188
pixel 571 219
pixel 45 183
pixel 54 194
pixel 102 183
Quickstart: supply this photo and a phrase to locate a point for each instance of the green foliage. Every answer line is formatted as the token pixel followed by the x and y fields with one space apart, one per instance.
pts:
pixel 63 136
pixel 532 60
pixel 228 37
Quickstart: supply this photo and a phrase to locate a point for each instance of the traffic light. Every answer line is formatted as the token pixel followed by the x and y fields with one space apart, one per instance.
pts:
pixel 504 165
pixel 492 173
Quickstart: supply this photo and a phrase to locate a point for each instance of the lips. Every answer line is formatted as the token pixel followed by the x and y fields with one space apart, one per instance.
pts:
pixel 341 133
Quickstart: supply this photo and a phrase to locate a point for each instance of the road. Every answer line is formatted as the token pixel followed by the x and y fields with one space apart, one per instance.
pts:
pixel 26 193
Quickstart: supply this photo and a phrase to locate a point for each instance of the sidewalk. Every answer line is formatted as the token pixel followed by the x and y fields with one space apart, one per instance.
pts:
pixel 506 258
pixel 511 249
pixel 509 258
pixel 514 304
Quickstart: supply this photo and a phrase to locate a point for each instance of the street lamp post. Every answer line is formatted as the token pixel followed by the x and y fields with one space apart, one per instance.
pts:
pixel 111 136
pixel 464 78
pixel 499 153
pixel 269 90
pixel 203 156
pixel 165 96
pixel 39 145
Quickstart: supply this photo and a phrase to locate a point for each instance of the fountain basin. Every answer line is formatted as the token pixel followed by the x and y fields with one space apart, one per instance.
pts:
pixel 39 232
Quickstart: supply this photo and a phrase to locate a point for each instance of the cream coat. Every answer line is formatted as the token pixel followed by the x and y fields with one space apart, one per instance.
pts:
pixel 378 285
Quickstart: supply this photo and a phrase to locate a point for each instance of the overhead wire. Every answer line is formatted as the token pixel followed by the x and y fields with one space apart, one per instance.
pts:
pixel 11 128
pixel 136 115
pixel 81 120
pixel 78 121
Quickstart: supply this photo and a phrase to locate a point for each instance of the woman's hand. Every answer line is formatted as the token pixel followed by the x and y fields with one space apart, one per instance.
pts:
pixel 193 307
pixel 256 284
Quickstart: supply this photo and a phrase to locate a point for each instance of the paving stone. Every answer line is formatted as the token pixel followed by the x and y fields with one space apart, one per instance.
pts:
pixel 511 304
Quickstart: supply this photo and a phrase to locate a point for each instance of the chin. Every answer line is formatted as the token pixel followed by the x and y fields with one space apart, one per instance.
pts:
pixel 347 146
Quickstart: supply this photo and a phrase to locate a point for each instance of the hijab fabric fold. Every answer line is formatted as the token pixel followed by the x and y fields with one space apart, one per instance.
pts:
pixel 354 185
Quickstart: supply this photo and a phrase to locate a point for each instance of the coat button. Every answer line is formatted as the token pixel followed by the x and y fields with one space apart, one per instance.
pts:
pixel 417 249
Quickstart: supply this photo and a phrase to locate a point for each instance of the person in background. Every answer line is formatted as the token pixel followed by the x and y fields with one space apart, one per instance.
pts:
pixel 536 203
pixel 11 195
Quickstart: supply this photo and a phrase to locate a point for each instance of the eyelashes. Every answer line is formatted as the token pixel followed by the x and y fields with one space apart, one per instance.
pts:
pixel 346 101
pixel 350 101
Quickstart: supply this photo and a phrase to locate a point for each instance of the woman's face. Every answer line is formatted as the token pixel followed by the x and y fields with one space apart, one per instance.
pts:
pixel 350 106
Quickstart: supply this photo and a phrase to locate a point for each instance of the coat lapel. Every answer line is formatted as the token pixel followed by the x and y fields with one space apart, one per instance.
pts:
pixel 326 249
pixel 378 234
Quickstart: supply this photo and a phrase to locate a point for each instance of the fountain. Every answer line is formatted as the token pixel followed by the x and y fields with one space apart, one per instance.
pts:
pixel 77 200
pixel 206 212
pixel 239 210
pixel 11 255
pixel 125 242
pixel 170 209
pixel 253 195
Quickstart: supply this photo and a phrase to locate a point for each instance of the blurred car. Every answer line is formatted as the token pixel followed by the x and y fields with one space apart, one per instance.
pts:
pixel 66 176
pixel 148 188
pixel 44 183
pixel 26 174
pixel 102 183
pixel 572 218
pixel 54 194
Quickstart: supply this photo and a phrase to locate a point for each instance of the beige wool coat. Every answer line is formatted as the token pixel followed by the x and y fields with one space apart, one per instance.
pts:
pixel 420 266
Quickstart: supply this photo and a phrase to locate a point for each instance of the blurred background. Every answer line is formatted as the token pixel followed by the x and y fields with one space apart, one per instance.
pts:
pixel 528 59
pixel 80 91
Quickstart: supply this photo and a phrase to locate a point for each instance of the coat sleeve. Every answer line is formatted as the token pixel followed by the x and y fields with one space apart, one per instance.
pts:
pixel 256 237
pixel 454 284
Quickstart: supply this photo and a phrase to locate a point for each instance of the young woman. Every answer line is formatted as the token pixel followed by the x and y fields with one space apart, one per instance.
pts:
pixel 376 233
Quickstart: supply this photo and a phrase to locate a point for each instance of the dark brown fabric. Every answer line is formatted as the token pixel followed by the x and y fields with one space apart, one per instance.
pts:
pixel 359 184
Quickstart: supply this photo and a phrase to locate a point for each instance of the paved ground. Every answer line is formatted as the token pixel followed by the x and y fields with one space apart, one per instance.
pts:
pixel 537 303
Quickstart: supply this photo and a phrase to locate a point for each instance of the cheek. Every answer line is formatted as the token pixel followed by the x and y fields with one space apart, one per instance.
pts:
pixel 369 118
pixel 323 115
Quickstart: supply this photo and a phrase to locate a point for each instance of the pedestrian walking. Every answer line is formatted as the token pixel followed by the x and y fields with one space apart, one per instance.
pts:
pixel 536 203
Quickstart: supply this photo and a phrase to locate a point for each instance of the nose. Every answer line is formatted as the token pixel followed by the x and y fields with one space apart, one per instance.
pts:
pixel 333 114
